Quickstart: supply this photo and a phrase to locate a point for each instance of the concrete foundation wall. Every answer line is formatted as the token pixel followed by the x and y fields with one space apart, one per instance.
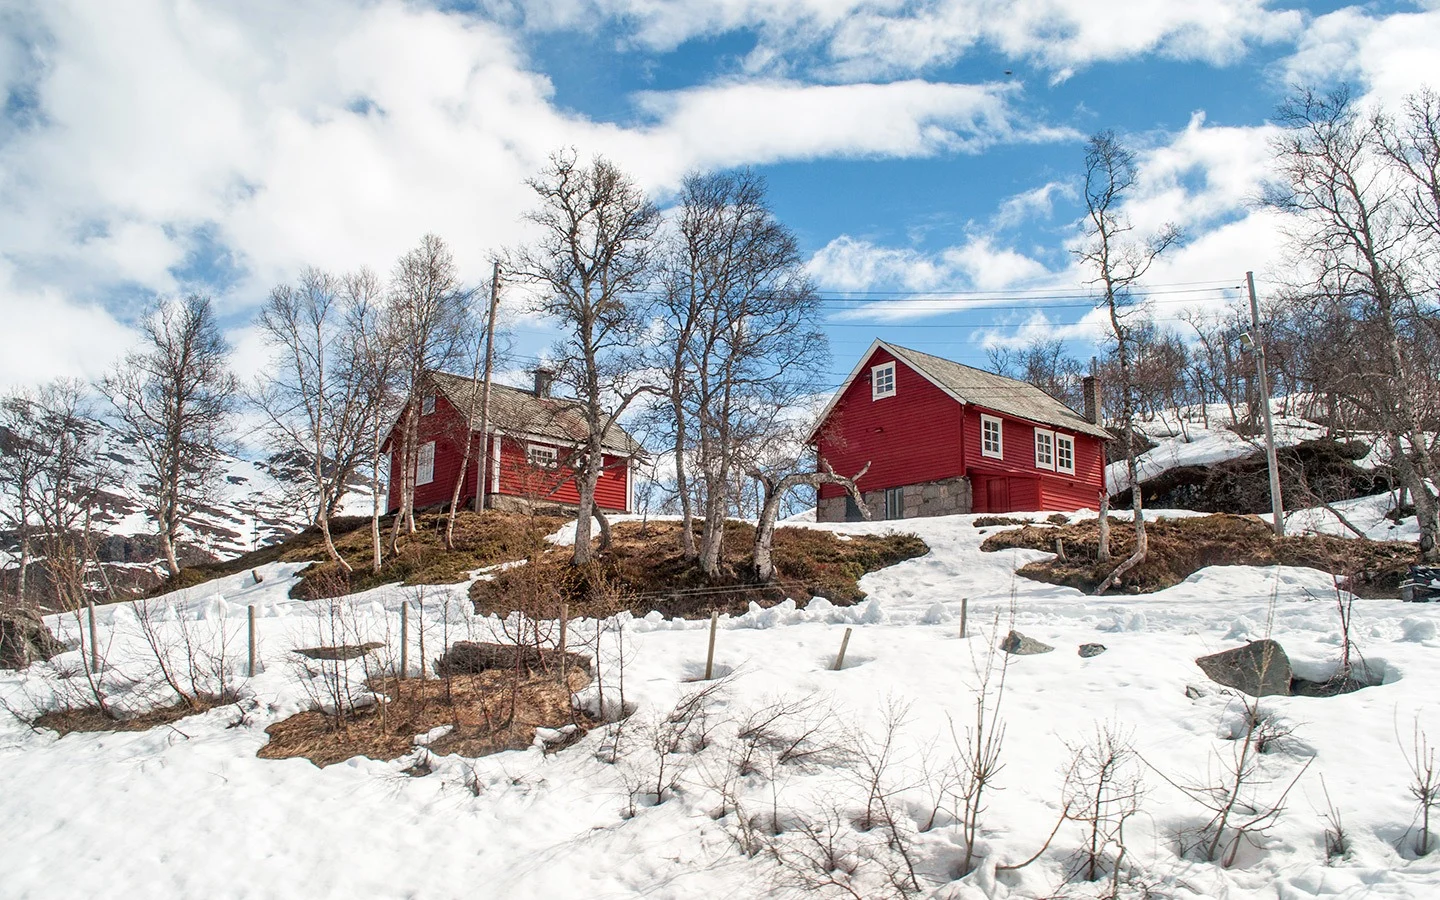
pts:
pixel 932 498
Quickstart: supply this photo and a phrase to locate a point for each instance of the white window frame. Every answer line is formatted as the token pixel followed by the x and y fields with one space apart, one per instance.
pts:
pixel 888 370
pixel 1069 442
pixel 532 451
pixel 999 423
pixel 425 463
pixel 427 404
pixel 1049 443
pixel 895 502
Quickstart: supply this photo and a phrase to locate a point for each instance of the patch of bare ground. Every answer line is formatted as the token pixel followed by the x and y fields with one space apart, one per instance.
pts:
pixel 488 712
pixel 1180 547
pixel 93 718
pixel 644 570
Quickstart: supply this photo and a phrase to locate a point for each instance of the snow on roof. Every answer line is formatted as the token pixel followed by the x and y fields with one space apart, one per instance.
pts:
pixel 520 411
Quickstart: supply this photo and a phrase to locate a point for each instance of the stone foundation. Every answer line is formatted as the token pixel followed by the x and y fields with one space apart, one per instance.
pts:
pixel 932 498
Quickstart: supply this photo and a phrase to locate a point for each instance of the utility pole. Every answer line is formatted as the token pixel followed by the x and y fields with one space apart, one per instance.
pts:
pixel 1257 341
pixel 482 472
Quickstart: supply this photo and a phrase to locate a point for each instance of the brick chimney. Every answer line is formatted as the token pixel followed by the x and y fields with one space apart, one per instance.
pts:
pixel 1090 385
pixel 543 378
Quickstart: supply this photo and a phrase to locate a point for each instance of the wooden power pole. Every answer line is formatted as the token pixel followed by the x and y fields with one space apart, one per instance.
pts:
pixel 1257 341
pixel 482 470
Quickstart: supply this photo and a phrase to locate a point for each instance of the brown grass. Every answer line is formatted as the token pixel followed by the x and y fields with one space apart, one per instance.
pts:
pixel 92 719
pixel 645 571
pixel 1180 547
pixel 477 706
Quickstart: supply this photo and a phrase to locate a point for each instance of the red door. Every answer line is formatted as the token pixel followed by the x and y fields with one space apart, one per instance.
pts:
pixel 997 495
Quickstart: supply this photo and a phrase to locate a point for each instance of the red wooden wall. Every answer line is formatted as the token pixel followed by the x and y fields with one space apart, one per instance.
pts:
pixel 911 437
pixel 923 434
pixel 517 477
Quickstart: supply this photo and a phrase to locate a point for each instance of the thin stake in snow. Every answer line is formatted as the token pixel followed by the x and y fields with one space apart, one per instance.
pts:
pixel 94 641
pixel 250 621
pixel 405 639
pixel 710 654
pixel 844 643
pixel 964 617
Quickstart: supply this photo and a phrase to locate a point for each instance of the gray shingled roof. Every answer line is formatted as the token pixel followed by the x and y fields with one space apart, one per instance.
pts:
pixel 1006 395
pixel 519 411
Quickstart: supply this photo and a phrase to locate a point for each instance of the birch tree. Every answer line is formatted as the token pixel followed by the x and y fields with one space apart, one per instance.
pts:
pixel 745 347
pixel 429 316
pixel 1358 245
pixel 173 397
pixel 1119 259
pixel 369 331
pixel 592 264
pixel 316 395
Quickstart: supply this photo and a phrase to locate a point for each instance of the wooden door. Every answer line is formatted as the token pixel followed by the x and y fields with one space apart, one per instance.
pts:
pixel 997 495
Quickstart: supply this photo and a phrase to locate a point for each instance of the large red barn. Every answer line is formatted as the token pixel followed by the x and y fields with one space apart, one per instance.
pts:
pixel 529 451
pixel 941 438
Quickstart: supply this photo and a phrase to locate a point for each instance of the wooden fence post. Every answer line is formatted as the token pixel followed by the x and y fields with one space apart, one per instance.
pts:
pixel 404 639
pixel 94 641
pixel 964 616
pixel 564 626
pixel 420 624
pixel 844 643
pixel 710 655
pixel 250 615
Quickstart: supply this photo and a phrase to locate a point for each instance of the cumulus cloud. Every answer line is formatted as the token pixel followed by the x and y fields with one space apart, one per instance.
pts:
pixel 158 144
pixel 1389 55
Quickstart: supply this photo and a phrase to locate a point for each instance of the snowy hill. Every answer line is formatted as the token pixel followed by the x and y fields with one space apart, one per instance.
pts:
pixel 528 823
pixel 260 501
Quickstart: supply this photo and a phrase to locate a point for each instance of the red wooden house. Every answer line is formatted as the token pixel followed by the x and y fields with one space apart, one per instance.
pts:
pixel 529 449
pixel 942 438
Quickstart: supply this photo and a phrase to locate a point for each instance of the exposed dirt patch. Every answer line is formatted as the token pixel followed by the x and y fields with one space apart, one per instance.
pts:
pixel 997 521
pixel 1180 547
pixel 477 707
pixel 92 718
pixel 644 571
pixel 481 539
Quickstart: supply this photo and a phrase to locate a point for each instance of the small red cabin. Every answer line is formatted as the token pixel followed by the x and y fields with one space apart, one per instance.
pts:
pixel 943 438
pixel 528 455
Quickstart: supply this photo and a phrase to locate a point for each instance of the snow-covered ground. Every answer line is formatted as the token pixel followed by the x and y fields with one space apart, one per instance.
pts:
pixel 189 811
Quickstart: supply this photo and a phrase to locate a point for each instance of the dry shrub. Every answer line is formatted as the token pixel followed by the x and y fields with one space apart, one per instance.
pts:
pixel 91 718
pixel 1180 547
pixel 476 706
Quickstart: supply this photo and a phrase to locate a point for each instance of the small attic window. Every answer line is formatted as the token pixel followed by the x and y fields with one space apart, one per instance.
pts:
pixel 882 381
pixel 427 404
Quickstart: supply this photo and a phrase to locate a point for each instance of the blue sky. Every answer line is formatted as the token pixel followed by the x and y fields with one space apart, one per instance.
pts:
pixel 928 148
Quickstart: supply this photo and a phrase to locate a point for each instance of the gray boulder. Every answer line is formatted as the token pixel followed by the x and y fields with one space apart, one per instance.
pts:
pixel 25 639
pixel 1260 669
pixel 1020 645
pixel 1089 650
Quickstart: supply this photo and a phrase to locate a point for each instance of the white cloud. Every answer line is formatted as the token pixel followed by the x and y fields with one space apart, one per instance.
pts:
pixel 1390 55
pixel 279 135
pixel 46 336
pixel 865 38
pixel 1038 203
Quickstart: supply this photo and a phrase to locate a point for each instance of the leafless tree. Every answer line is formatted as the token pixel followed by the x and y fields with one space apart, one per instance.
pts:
pixel 1045 364
pixel 591 263
pixel 1424 785
pixel 776 487
pixel 370 331
pixel 1356 250
pixel 316 395
pixel 174 397
pixel 741 345
pixel 1103 789
pixel 1119 261
pixel 429 319
pixel 24 452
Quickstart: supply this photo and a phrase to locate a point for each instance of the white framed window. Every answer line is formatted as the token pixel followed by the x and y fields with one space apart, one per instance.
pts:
pixel 1065 454
pixel 541 456
pixel 992 437
pixel 882 381
pixel 427 404
pixel 1044 449
pixel 425 464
